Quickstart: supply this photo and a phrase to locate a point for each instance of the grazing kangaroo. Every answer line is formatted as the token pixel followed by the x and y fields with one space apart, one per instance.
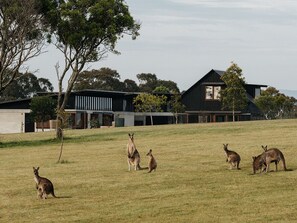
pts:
pixel 232 157
pixel 43 185
pixel 258 164
pixel 273 155
pixel 152 164
pixel 133 156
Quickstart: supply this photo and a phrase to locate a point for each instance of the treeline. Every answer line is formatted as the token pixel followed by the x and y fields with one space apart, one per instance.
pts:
pixel 27 85
pixel 108 79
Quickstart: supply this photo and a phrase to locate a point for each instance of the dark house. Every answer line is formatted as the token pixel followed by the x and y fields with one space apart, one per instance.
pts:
pixel 203 104
pixel 86 109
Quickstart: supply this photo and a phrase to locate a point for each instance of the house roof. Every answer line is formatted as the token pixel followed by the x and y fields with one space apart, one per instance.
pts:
pixel 220 73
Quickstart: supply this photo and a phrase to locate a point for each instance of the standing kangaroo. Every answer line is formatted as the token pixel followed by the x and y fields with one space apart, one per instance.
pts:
pixel 43 185
pixel 273 155
pixel 133 156
pixel 232 157
pixel 152 163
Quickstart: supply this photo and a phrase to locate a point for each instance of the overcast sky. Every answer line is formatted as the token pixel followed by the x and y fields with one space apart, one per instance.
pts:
pixel 181 40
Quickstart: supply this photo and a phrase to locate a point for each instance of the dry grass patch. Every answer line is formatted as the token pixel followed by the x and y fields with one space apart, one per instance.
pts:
pixel 192 182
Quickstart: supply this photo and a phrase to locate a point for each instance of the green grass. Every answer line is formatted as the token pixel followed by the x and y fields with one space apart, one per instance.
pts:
pixel 192 183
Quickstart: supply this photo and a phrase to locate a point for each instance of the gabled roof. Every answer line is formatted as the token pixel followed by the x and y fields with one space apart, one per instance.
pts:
pixel 220 73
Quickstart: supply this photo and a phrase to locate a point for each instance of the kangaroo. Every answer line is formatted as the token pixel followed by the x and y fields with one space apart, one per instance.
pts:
pixel 43 185
pixel 273 155
pixel 232 157
pixel 275 162
pixel 133 156
pixel 152 163
pixel 258 164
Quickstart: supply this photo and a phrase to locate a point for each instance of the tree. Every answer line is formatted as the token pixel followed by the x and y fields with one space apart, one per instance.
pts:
pixel 85 31
pixel 234 96
pixel 25 86
pixel 161 90
pixel 274 104
pixel 130 86
pixel 176 105
pixel 21 37
pixel 146 102
pixel 147 82
pixel 103 79
pixel 43 109
pixel 170 85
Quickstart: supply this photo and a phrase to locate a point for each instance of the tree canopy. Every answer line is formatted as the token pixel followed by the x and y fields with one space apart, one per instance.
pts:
pixel 274 104
pixel 25 86
pixel 234 96
pixel 146 102
pixel 149 82
pixel 85 31
pixel 21 37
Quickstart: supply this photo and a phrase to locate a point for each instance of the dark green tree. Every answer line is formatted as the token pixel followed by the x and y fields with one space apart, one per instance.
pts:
pixel 85 31
pixel 233 96
pixel 25 86
pixel 147 82
pixel 103 79
pixel 43 109
pixel 130 86
pixel 146 102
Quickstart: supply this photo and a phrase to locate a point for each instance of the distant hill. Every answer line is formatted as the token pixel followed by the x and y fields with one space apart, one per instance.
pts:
pixel 291 93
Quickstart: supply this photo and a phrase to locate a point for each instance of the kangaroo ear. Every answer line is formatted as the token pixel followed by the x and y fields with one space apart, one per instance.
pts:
pixel 37 168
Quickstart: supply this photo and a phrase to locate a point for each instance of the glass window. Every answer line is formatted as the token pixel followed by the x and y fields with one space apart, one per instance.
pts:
pixel 212 92
pixel 216 93
pixel 208 92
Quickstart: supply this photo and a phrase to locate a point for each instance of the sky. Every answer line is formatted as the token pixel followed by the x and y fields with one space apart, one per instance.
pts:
pixel 182 40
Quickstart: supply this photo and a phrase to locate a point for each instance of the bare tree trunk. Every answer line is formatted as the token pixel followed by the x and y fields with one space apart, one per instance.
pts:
pixel 233 111
pixel 152 119
pixel 62 142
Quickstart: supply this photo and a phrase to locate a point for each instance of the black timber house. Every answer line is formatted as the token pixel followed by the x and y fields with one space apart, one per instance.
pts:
pixel 202 101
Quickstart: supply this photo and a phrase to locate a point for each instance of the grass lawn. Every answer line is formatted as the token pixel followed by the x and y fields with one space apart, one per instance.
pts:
pixel 192 183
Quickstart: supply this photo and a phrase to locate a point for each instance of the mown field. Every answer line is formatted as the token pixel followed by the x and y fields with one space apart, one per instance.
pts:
pixel 192 183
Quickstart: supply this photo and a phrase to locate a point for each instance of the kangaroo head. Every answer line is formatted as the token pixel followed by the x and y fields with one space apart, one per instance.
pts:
pixel 131 136
pixel 264 148
pixel 35 170
pixel 225 147
pixel 149 153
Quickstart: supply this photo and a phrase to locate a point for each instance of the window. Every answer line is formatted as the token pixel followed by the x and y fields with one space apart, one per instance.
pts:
pixel 257 92
pixel 212 92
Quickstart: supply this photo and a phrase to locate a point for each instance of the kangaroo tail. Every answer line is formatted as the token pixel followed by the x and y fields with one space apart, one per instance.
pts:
pixel 284 162
pixel 141 168
pixel 53 193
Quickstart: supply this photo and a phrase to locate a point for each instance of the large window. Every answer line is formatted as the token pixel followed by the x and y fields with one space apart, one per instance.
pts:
pixel 93 103
pixel 212 92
